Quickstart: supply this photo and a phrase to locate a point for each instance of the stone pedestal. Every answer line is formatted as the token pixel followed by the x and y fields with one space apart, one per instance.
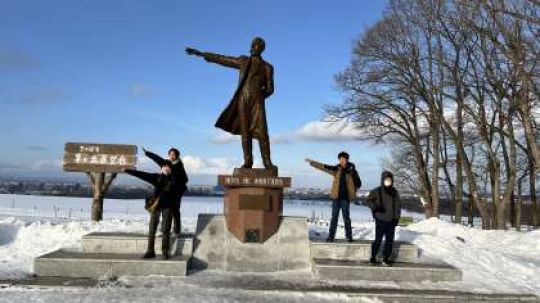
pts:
pixel 253 203
pixel 215 248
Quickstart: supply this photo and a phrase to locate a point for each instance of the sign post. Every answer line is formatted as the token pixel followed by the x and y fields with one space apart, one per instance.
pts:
pixel 102 163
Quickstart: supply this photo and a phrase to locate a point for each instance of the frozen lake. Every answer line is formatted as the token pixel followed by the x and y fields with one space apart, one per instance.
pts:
pixel 79 208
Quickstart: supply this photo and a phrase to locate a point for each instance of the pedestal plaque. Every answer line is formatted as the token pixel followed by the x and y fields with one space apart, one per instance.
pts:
pixel 253 203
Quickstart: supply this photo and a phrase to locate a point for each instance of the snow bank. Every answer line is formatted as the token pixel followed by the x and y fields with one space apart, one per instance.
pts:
pixel 21 241
pixel 493 260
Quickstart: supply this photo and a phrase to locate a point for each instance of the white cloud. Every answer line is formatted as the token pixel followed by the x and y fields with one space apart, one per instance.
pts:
pixel 193 164
pixel 48 165
pixel 328 131
pixel 208 166
pixel 311 131
pixel 223 137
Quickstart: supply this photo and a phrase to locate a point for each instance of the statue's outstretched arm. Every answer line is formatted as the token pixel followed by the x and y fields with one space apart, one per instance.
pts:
pixel 228 61
pixel 233 62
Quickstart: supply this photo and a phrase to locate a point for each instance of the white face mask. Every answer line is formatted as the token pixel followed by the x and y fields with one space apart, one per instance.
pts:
pixel 387 182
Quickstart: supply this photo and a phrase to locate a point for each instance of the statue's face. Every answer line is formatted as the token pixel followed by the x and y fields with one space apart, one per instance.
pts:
pixel 257 47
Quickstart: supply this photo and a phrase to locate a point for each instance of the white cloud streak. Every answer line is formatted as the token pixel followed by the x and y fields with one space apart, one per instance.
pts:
pixel 314 131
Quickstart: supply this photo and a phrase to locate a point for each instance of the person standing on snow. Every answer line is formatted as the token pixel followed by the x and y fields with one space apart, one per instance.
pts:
pixel 165 193
pixel 346 183
pixel 386 208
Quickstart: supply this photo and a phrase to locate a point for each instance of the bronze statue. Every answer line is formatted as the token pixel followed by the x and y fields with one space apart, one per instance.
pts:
pixel 246 115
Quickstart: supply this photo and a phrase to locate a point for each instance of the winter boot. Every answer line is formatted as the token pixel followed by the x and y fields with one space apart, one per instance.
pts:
pixel 386 262
pixel 149 255
pixel 166 255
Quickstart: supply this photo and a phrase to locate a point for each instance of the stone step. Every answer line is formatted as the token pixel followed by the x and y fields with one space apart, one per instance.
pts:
pixel 360 250
pixel 132 243
pixel 349 270
pixel 262 284
pixel 422 296
pixel 63 263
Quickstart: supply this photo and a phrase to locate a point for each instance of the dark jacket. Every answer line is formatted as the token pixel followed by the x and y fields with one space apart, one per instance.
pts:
pixel 164 188
pixel 353 181
pixel 180 178
pixel 384 201
pixel 256 83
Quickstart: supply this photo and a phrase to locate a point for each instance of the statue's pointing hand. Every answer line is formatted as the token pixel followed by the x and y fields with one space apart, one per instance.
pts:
pixel 192 51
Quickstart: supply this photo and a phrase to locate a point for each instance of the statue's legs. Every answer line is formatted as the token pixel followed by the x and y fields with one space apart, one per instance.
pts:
pixel 264 144
pixel 247 146
pixel 247 138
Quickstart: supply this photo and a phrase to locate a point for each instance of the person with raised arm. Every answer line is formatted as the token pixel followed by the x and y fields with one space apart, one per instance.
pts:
pixel 161 203
pixel 180 180
pixel 344 187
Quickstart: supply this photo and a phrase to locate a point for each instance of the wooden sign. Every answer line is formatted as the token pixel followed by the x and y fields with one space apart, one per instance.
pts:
pixel 99 158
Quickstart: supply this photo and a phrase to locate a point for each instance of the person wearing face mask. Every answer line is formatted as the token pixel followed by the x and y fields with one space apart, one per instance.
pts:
pixel 166 193
pixel 344 187
pixel 386 208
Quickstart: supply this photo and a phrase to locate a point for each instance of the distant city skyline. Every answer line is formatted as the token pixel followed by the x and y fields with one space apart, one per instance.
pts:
pixel 116 72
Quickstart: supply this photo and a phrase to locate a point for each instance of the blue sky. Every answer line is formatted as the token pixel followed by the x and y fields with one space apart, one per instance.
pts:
pixel 116 72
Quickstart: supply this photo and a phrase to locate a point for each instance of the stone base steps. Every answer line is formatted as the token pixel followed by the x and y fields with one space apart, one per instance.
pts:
pixel 328 269
pixel 94 265
pixel 422 296
pixel 270 283
pixel 360 250
pixel 130 243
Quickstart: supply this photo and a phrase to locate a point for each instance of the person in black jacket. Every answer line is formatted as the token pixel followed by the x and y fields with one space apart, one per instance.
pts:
pixel 386 208
pixel 180 179
pixel 167 192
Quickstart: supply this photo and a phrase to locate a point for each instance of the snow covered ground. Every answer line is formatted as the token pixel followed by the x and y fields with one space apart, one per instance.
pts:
pixel 491 261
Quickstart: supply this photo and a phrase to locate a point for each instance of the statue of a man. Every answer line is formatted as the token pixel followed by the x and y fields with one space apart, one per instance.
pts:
pixel 246 115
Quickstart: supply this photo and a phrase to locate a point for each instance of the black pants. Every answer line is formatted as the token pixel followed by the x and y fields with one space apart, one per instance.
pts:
pixel 166 215
pixel 386 230
pixel 344 205
pixel 177 220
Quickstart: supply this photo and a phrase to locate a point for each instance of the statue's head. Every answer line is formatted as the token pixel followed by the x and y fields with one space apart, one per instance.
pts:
pixel 257 46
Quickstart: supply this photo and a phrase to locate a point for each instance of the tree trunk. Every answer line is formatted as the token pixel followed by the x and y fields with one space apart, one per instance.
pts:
pixel 100 186
pixel 532 191
pixel 425 190
pixel 532 145
pixel 473 187
pixel 97 208
pixel 519 203
pixel 435 169
pixel 97 202
pixel 459 192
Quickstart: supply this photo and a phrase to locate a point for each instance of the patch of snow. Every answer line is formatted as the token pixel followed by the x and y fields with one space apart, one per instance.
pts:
pixel 21 241
pixel 491 260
